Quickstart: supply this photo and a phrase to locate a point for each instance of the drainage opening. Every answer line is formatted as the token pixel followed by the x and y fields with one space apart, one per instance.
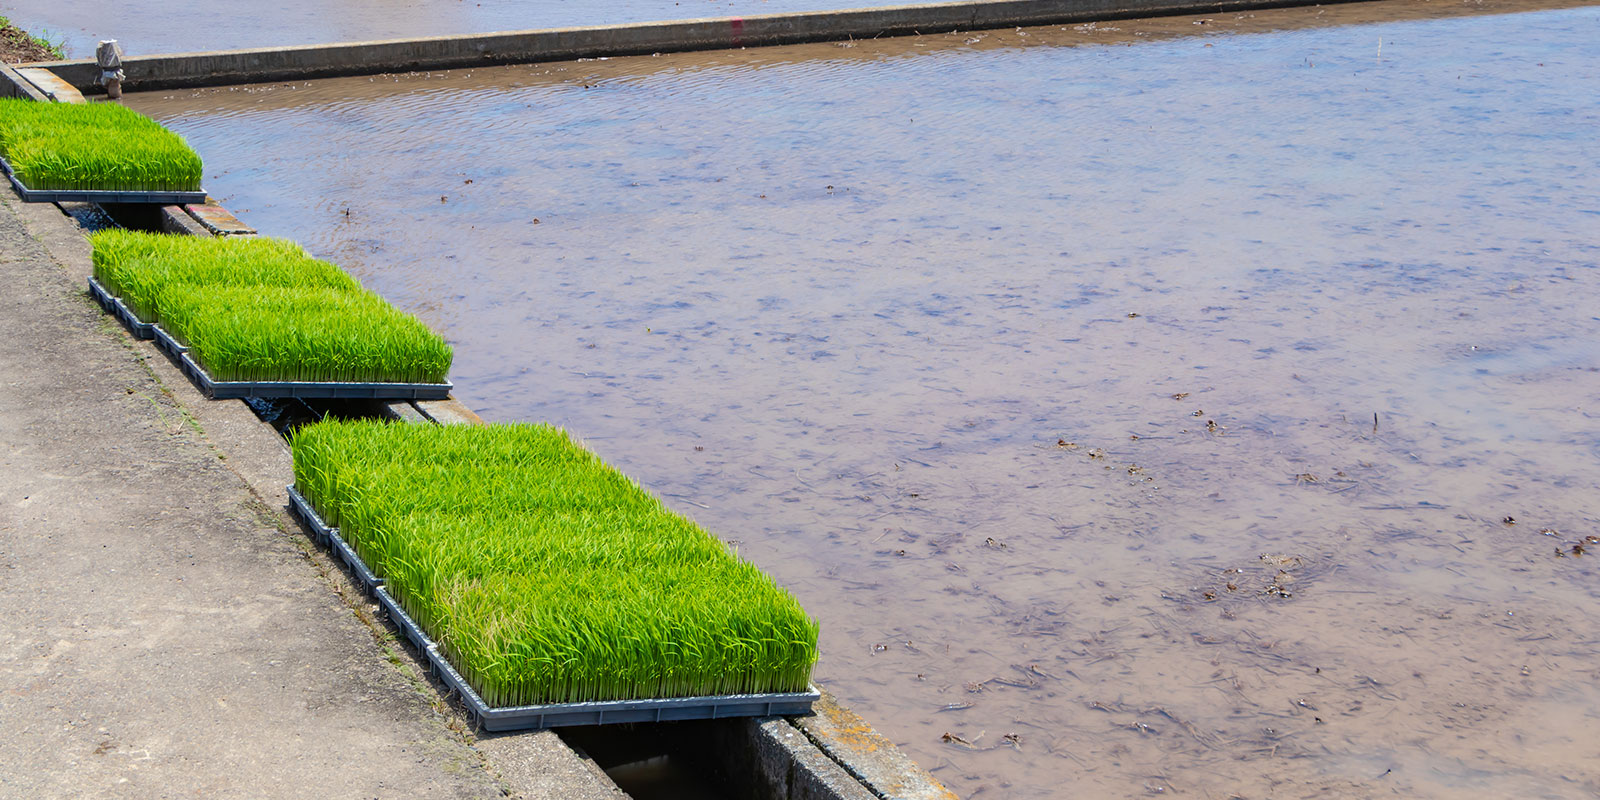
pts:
pixel 286 415
pixel 662 761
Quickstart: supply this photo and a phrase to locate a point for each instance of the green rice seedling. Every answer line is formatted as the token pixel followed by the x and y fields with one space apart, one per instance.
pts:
pixel 546 575
pixel 257 309
pixel 274 333
pixel 87 160
pixel 21 120
pixel 137 266
pixel 95 146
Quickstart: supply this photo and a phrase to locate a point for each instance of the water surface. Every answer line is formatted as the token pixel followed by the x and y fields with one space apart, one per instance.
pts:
pixel 1203 407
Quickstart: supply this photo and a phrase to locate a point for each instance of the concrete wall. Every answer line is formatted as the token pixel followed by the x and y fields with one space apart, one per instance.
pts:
pixel 560 44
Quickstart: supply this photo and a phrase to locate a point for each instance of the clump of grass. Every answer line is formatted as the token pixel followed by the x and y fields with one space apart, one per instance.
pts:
pixel 546 575
pixel 18 46
pixel 94 146
pixel 257 309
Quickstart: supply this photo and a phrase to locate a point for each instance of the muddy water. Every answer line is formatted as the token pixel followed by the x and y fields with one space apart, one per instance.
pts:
pixel 183 27
pixel 1209 415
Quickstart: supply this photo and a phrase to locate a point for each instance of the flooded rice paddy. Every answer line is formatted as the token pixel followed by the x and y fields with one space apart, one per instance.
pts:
pixel 1201 407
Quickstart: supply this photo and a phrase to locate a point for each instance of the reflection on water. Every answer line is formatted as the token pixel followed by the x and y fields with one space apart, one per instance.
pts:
pixel 1214 415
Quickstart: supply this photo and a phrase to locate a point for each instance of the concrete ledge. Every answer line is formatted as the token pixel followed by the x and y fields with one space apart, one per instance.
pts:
pixel 12 84
pixel 174 220
pixel 769 758
pixel 143 527
pixel 402 411
pixel 447 412
pixel 560 44
pixel 52 86
pixel 867 755
pixel 217 220
pixel 540 765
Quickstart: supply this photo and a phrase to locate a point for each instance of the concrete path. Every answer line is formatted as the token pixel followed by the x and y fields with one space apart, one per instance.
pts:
pixel 161 633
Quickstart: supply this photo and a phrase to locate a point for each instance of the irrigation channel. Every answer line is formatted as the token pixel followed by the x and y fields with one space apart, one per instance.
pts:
pixel 1196 406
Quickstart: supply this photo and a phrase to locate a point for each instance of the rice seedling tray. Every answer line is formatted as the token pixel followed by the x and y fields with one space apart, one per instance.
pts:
pixel 95 195
pixel 308 390
pixel 556 715
pixel 116 308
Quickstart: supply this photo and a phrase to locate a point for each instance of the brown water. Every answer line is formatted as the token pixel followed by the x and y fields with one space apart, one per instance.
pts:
pixel 183 27
pixel 1196 415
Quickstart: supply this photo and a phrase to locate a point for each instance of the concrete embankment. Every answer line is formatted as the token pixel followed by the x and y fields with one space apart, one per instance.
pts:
pixel 560 44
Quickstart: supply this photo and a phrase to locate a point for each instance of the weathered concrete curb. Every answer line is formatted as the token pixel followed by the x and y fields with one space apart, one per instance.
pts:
pixel 770 758
pixel 560 44
pixel 867 755
pixel 12 84
pixel 52 86
pixel 218 220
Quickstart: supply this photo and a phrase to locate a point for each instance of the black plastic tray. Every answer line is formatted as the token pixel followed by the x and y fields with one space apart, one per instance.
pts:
pixel 309 390
pixel 95 195
pixel 510 718
pixel 224 390
pixel 116 308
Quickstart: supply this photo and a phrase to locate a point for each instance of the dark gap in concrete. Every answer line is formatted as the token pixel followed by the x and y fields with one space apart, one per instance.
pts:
pixel 134 216
pixel 284 416
pixel 287 415
pixel 88 216
pixel 660 761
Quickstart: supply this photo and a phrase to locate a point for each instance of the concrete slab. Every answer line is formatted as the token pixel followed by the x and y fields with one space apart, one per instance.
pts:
pixel 174 219
pixel 51 86
pixel 217 220
pixel 539 764
pixel 403 411
pixel 867 755
pixel 448 412
pixel 12 84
